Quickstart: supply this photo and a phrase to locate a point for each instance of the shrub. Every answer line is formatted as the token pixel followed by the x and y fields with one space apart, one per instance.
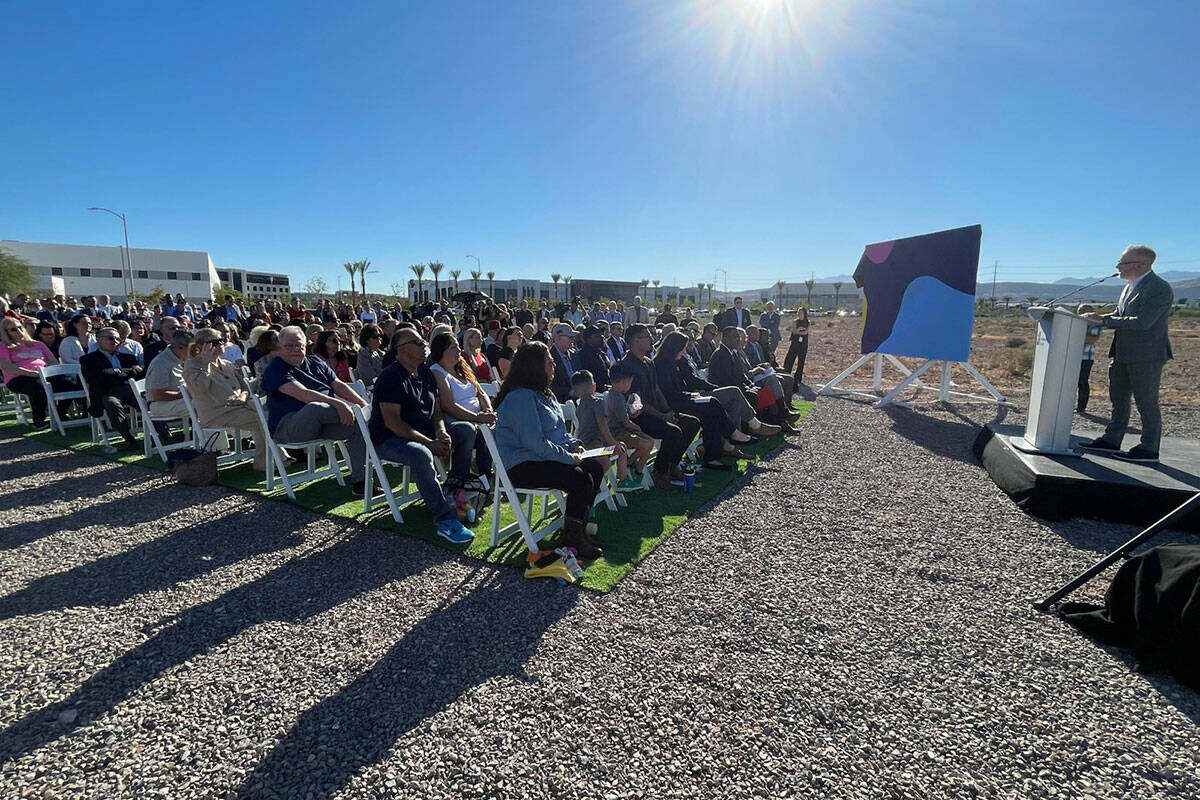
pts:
pixel 1015 341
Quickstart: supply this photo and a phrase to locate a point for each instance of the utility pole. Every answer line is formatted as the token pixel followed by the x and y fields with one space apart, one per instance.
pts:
pixel 995 264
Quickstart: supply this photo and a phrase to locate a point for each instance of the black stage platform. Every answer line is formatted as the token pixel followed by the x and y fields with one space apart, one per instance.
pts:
pixel 1101 487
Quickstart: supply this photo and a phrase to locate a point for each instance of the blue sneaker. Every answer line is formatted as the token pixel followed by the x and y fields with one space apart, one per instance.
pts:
pixel 453 531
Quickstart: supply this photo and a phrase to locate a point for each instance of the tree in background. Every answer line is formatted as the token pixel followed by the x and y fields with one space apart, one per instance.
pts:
pixel 454 273
pixel 317 286
pixel 15 277
pixel 709 286
pixel 654 299
pixel 363 266
pixel 436 268
pixel 780 285
pixel 419 271
pixel 555 277
pixel 351 268
pixel 567 288
pixel 155 295
pixel 837 291
pixel 491 284
pixel 699 295
pixel 475 279
pixel 808 285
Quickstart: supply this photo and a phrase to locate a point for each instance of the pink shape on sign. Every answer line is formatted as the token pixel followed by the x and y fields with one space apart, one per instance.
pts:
pixel 878 253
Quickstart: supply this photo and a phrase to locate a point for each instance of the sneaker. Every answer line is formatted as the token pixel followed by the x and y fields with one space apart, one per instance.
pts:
pixel 1101 445
pixel 630 484
pixel 453 531
pixel 40 426
pixel 1137 453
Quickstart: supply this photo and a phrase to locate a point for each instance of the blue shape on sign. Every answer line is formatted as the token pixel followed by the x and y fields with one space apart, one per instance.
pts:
pixel 933 320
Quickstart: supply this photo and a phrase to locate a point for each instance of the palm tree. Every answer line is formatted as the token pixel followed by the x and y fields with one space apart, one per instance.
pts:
pixel 363 266
pixel 709 286
pixel 554 276
pixel 654 299
pixel 475 279
pixel 837 290
pixel 700 295
pixel 492 283
pixel 780 285
pixel 454 273
pixel 644 283
pixel 436 267
pixel 351 268
pixel 1007 300
pixel 567 288
pixel 419 271
pixel 809 284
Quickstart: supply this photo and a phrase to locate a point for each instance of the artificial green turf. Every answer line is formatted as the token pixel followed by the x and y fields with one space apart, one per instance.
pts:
pixel 628 534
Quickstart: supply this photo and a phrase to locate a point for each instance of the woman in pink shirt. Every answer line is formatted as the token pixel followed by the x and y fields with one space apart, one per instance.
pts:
pixel 20 357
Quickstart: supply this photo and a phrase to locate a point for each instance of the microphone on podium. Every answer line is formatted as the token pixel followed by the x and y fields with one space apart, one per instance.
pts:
pixel 1081 288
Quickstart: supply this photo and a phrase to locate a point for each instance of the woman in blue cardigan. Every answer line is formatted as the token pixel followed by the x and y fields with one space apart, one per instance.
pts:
pixel 535 447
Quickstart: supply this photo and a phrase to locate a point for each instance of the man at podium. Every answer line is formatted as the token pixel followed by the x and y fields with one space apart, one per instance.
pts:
pixel 1139 350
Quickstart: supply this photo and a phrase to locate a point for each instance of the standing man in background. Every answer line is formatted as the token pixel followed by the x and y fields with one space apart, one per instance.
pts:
pixel 1139 350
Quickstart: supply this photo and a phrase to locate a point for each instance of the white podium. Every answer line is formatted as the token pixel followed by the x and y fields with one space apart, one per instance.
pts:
pixel 1056 358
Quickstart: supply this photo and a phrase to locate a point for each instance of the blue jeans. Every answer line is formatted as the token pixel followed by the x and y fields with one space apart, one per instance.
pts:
pixel 417 458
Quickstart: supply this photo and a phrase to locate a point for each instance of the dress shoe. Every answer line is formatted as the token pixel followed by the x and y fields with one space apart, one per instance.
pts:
pixel 1137 453
pixel 1100 445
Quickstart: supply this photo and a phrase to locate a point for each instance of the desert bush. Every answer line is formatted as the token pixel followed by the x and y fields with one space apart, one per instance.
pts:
pixel 1014 341
pixel 1018 361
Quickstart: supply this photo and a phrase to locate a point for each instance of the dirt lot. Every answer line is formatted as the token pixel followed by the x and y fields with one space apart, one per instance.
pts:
pixel 1002 348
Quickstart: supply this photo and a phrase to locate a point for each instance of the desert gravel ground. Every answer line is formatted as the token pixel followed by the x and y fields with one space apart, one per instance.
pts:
pixel 855 622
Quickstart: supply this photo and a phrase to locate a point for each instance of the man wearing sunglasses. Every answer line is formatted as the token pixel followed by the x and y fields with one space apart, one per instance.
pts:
pixel 107 372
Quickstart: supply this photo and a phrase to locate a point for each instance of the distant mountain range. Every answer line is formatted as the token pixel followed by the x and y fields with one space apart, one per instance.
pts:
pixel 1171 276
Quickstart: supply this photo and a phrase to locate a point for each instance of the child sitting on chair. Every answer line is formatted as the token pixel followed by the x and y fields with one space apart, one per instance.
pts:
pixel 621 407
pixel 591 428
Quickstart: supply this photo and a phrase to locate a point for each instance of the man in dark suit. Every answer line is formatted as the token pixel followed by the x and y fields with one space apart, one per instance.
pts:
pixel 107 373
pixel 565 364
pixel 615 343
pixel 1139 350
pixel 737 316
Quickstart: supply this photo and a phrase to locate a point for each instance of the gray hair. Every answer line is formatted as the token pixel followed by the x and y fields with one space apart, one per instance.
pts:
pixel 292 330
pixel 182 338
pixel 1142 253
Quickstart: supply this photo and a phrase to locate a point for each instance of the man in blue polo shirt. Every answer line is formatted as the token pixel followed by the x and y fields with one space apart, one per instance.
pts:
pixel 306 401
pixel 407 427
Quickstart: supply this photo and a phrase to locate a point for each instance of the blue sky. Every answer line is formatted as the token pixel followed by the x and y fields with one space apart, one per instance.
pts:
pixel 658 140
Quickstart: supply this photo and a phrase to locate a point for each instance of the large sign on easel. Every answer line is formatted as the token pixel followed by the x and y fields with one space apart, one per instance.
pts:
pixel 920 294
pixel 919 298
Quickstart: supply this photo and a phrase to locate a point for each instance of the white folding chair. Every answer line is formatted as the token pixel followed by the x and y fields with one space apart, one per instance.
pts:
pixel 150 438
pixel 360 388
pixel 19 402
pixel 375 471
pixel 490 389
pixel 569 414
pixel 201 433
pixel 521 501
pixel 277 464
pixel 53 397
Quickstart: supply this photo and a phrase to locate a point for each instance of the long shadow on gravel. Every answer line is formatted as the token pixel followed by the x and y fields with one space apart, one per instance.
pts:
pixel 491 631
pixel 161 562
pixel 296 591
pixel 130 509
pixel 939 436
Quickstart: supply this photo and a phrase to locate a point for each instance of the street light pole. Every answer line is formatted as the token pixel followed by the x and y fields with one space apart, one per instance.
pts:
pixel 477 266
pixel 726 274
pixel 128 255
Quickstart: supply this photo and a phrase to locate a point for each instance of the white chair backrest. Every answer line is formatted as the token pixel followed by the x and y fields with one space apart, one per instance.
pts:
pixel 490 389
pixel 569 415
pixel 68 370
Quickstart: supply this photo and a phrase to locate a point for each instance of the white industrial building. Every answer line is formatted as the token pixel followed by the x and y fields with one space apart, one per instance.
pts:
pixel 78 270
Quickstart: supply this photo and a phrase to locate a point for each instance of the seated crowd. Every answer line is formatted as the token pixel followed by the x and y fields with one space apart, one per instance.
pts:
pixel 425 382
